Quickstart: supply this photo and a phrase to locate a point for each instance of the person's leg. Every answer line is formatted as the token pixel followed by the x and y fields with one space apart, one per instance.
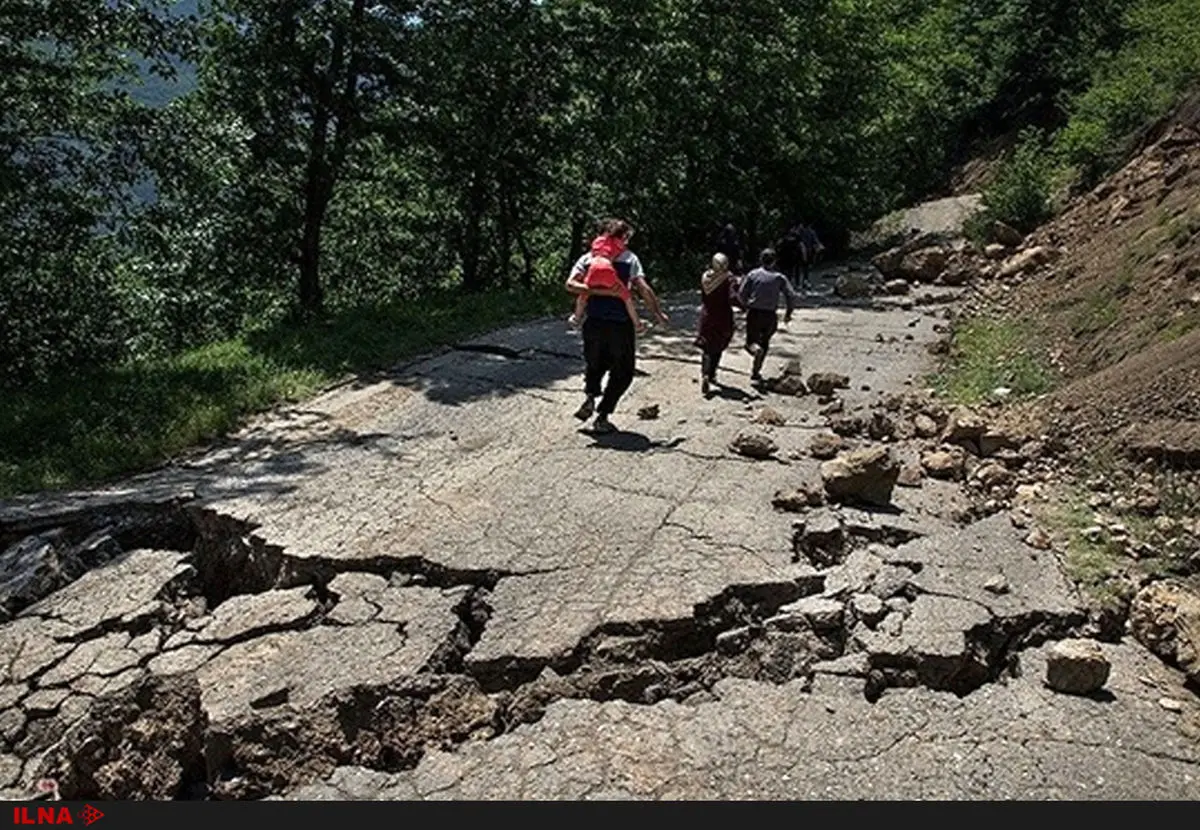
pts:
pixel 622 351
pixel 714 362
pixel 593 356
pixel 580 310
pixel 767 327
pixel 756 322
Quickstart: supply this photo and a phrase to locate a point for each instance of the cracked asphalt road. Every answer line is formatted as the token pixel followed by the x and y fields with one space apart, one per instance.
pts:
pixel 457 523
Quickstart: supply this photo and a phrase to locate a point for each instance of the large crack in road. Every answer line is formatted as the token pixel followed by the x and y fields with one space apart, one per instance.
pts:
pixel 266 627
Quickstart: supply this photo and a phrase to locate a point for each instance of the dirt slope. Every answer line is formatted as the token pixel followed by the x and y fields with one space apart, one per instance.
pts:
pixel 1116 297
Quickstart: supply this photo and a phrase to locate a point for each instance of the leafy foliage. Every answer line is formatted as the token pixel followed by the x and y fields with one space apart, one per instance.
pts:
pixel 322 162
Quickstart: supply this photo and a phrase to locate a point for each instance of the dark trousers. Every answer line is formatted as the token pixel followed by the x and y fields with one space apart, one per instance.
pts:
pixel 792 270
pixel 608 348
pixel 760 328
pixel 709 362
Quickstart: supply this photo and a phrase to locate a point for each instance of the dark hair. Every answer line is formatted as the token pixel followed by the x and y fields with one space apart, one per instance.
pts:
pixel 616 227
pixel 767 258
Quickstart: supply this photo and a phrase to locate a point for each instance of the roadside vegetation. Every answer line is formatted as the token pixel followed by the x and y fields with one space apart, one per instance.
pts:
pixel 208 208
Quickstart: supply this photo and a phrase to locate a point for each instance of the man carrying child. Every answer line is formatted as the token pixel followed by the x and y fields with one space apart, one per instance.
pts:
pixel 609 335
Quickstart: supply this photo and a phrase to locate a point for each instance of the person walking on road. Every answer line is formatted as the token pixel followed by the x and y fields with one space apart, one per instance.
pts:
pixel 718 288
pixel 729 243
pixel 811 250
pixel 609 337
pixel 759 295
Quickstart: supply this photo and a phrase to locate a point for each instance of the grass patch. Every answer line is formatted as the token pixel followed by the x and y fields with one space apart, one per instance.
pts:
pixel 123 420
pixel 1096 567
pixel 986 354
pixel 1099 565
pixel 1095 314
pixel 1178 327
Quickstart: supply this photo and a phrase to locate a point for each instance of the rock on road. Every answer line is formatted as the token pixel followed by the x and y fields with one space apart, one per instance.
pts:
pixel 435 585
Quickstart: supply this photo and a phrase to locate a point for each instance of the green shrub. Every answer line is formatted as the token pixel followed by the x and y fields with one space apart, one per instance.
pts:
pixel 1159 62
pixel 1020 193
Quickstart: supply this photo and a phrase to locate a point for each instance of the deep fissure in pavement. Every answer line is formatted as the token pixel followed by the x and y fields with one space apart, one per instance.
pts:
pixel 154 739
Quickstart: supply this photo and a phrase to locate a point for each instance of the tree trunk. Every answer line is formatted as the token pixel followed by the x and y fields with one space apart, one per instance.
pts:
pixel 324 163
pixel 472 277
pixel 575 248
pixel 527 270
pixel 317 186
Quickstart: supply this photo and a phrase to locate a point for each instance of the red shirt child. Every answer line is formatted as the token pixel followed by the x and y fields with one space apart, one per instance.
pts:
pixel 602 274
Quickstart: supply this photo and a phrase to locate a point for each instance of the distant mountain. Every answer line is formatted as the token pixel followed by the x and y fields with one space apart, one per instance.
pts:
pixel 155 91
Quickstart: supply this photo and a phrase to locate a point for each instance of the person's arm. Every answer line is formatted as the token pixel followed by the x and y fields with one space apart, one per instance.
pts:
pixel 735 296
pixel 744 292
pixel 649 298
pixel 637 279
pixel 576 285
pixel 789 297
pixel 712 280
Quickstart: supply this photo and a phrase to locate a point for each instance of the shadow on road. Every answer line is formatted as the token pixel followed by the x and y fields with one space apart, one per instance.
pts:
pixel 629 441
pixel 733 393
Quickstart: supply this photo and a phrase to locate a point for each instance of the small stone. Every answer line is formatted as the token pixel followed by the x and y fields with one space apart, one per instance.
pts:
pixel 825 446
pixel 818 613
pixel 754 445
pixel 1077 667
pixel 770 416
pixel 733 641
pixel 910 476
pixel 925 426
pixel 868 608
pixel 648 413
pixel 1170 704
pixel 1038 538
pixel 800 499
pixel 944 464
pixel 826 383
pixel 997 585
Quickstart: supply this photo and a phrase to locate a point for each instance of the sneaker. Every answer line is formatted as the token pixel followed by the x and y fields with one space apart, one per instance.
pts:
pixel 586 409
pixel 753 348
pixel 603 426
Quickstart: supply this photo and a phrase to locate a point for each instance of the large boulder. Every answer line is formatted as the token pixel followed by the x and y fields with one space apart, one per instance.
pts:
pixel 867 476
pixel 946 463
pixel 925 265
pixel 1023 261
pixel 1077 667
pixel 852 286
pixel 1165 618
pixel 965 427
pixel 889 262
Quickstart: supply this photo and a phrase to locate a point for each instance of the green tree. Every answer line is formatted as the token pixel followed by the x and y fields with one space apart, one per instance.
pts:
pixel 70 139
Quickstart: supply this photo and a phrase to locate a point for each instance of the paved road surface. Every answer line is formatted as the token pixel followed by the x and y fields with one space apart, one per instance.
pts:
pixel 437 575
